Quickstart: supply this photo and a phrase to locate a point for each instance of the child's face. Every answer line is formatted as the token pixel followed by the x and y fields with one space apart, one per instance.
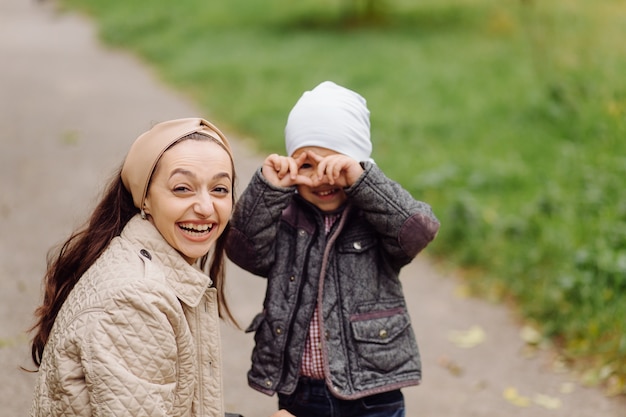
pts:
pixel 324 196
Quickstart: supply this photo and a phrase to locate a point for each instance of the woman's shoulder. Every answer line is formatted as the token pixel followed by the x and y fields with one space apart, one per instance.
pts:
pixel 119 277
pixel 124 267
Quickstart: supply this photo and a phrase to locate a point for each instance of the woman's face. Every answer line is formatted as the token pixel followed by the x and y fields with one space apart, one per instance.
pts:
pixel 190 196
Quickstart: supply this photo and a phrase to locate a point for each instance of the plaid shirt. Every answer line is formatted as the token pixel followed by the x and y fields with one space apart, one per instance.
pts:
pixel 312 364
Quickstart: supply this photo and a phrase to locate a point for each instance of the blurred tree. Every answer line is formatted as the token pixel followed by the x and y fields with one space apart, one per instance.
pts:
pixel 365 11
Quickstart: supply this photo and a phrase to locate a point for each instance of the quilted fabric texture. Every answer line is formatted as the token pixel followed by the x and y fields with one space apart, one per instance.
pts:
pixel 351 275
pixel 138 336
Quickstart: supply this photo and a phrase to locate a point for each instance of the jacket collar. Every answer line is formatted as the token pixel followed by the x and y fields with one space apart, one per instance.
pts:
pixel 187 281
pixel 294 217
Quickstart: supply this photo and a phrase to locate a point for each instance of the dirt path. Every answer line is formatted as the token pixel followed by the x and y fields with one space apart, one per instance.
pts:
pixel 69 108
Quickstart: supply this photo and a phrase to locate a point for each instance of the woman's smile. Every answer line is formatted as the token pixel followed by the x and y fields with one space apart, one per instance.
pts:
pixel 196 231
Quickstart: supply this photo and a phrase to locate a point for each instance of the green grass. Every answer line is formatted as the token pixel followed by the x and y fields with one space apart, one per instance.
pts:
pixel 508 117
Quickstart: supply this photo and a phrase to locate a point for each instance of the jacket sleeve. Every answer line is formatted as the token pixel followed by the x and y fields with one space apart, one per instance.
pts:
pixel 254 225
pixel 133 360
pixel 406 225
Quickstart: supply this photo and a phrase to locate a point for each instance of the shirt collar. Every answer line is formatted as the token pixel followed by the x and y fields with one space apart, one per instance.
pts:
pixel 187 281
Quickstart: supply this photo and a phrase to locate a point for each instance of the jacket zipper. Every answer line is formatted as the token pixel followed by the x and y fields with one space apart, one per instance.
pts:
pixel 320 290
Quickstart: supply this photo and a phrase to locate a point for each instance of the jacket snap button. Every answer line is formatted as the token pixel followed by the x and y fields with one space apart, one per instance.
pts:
pixel 145 254
pixel 268 383
pixel 279 330
pixel 292 278
pixel 383 334
pixel 301 232
pixel 357 245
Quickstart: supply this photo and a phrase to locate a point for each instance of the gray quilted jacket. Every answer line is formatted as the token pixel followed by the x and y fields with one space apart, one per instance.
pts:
pixel 351 274
pixel 137 336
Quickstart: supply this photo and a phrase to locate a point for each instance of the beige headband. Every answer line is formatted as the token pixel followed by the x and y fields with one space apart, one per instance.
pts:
pixel 146 151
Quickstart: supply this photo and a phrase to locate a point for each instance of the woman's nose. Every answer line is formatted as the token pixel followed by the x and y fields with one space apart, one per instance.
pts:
pixel 204 205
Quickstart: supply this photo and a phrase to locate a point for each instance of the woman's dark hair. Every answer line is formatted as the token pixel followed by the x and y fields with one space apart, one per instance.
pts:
pixel 77 254
pixel 66 265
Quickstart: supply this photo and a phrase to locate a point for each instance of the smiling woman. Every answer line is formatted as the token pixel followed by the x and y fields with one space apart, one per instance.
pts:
pixel 190 197
pixel 129 321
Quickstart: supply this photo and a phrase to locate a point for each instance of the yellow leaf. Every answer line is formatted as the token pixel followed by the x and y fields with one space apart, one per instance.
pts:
pixel 475 335
pixel 70 137
pixel 462 291
pixel 530 335
pixel 551 403
pixel 567 387
pixel 512 396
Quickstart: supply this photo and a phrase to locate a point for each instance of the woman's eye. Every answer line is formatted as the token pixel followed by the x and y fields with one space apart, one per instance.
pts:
pixel 306 166
pixel 221 190
pixel 181 189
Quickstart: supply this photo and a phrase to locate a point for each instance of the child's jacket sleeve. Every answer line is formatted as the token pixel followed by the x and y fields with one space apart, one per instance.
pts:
pixel 254 224
pixel 406 225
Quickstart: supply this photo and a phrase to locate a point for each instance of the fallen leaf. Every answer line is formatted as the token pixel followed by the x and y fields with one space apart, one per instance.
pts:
pixel 70 137
pixel 567 387
pixel 530 335
pixel 512 396
pixel 475 335
pixel 590 378
pixel 551 403
pixel 480 385
pixel 615 385
pixel 559 365
pixel 450 365
pixel 462 291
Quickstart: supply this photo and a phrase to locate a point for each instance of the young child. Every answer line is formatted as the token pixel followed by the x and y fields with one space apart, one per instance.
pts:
pixel 330 232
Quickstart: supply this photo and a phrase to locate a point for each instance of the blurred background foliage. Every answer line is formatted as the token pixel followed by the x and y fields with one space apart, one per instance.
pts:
pixel 508 117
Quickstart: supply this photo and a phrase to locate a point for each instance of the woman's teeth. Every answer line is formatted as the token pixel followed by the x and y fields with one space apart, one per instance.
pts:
pixel 196 228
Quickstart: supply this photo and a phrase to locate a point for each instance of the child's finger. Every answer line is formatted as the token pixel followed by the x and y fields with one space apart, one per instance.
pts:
pixel 272 162
pixel 324 171
pixel 304 180
pixel 301 158
pixel 283 167
pixel 292 168
pixel 335 166
pixel 314 156
pixel 338 168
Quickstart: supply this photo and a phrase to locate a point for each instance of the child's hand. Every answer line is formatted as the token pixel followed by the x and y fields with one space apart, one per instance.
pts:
pixel 282 413
pixel 282 171
pixel 336 169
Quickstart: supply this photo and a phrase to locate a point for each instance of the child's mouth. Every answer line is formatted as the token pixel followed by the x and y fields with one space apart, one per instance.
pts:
pixel 327 193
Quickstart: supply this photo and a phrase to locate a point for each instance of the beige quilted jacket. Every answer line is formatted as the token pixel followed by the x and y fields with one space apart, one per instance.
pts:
pixel 138 336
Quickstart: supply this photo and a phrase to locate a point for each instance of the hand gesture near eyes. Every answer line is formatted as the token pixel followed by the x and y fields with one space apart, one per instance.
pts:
pixel 336 169
pixel 283 171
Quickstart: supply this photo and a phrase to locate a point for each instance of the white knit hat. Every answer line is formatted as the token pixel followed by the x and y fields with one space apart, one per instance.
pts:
pixel 332 117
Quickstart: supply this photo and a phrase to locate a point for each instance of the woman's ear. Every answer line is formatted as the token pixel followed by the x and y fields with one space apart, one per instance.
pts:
pixel 145 209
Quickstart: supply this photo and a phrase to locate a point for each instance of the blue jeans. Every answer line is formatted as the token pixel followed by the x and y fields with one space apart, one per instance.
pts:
pixel 313 399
